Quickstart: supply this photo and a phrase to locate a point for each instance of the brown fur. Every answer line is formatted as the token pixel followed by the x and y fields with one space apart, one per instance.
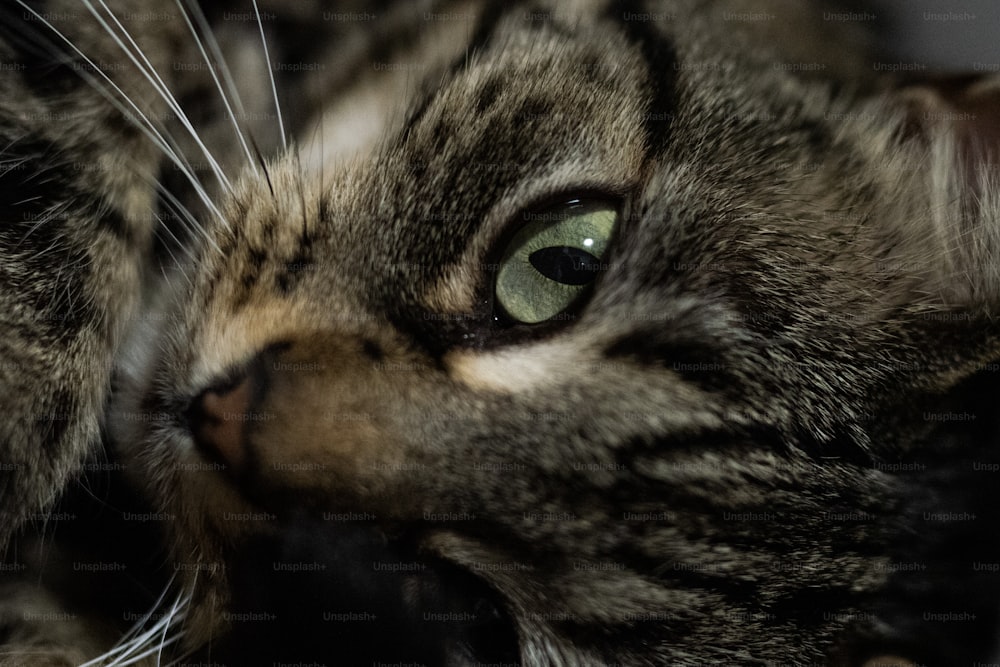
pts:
pixel 692 466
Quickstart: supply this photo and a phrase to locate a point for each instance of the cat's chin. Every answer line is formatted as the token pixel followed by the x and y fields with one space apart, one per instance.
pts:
pixel 306 585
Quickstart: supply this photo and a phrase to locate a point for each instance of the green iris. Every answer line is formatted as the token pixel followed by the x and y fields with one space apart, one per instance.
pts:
pixel 552 259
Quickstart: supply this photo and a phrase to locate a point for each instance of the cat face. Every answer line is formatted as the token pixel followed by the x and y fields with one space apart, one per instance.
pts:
pixel 595 320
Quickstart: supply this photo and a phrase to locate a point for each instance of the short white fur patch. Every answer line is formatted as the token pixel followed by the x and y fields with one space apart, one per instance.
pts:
pixel 515 369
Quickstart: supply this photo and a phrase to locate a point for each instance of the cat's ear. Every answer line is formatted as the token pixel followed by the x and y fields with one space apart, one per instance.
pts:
pixel 944 229
pixel 966 107
pixel 951 219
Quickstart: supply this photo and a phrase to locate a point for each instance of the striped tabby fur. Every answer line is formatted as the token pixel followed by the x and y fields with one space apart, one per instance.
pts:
pixel 762 436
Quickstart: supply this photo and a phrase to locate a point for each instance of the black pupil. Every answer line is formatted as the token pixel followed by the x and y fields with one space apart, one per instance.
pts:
pixel 565 264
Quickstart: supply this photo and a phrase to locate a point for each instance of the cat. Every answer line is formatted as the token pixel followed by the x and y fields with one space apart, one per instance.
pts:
pixel 604 332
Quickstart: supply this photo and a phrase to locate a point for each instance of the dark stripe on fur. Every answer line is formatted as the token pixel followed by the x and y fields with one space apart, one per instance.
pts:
pixel 35 177
pixel 487 24
pixel 480 40
pixel 660 57
pixel 35 238
pixel 44 62
pixel 51 425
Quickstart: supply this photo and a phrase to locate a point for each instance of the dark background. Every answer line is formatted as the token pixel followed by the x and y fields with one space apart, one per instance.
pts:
pixel 970 37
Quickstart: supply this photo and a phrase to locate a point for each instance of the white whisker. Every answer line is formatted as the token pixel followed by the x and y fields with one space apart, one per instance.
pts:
pixel 213 45
pixel 270 72
pixel 157 649
pixel 140 641
pixel 189 254
pixel 186 216
pixel 177 262
pixel 169 622
pixel 147 127
pixel 154 79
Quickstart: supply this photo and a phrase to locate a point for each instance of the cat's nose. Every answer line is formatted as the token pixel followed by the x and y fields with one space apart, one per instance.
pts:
pixel 308 414
pixel 217 419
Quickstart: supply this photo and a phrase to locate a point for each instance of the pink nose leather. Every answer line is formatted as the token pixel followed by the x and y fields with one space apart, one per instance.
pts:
pixel 218 420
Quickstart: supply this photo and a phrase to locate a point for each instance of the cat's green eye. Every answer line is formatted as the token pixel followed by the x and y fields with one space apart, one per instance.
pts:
pixel 552 259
